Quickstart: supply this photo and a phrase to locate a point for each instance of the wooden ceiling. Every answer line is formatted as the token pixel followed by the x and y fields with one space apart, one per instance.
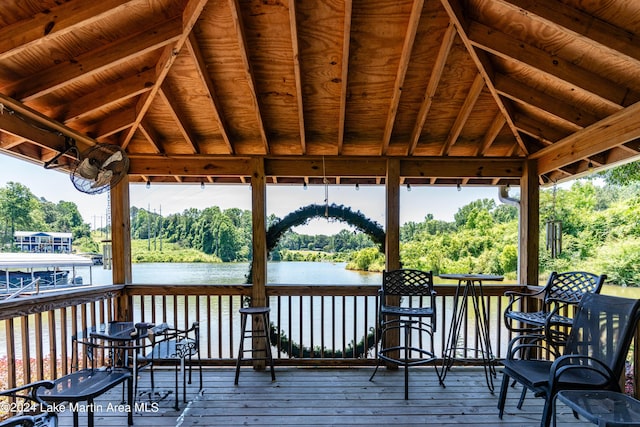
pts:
pixel 461 91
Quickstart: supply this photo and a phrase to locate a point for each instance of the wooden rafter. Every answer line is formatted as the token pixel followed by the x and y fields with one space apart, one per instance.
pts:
pixel 296 71
pixel 242 42
pixel 94 62
pixel 151 136
pixel 455 11
pixel 179 117
pixel 190 15
pixel 59 20
pixel 498 43
pixel 606 134
pixel 522 93
pixel 201 67
pixel 108 95
pixel 580 25
pixel 346 44
pixel 492 133
pixel 432 86
pixel 405 56
pixel 463 113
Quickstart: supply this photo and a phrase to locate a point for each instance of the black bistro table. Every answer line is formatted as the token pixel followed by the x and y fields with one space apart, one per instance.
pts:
pixel 470 288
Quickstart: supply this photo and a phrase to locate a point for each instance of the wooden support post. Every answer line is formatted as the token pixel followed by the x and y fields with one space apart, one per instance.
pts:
pixel 121 245
pixel 392 242
pixel 529 224
pixel 259 272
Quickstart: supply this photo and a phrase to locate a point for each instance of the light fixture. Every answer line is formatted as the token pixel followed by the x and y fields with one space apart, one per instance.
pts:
pixel 590 166
pixel 148 184
pixel 357 186
pixel 408 187
pixel 202 185
pixel 459 187
pixel 304 186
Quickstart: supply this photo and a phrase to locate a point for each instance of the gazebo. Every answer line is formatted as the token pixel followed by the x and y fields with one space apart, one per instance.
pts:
pixel 422 92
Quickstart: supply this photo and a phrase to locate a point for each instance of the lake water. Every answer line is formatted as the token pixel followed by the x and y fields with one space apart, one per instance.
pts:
pixel 285 272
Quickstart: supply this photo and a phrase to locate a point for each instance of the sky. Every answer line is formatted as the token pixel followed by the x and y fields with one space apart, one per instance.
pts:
pixel 415 205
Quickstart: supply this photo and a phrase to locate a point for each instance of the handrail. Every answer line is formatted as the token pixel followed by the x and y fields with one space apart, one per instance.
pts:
pixel 29 285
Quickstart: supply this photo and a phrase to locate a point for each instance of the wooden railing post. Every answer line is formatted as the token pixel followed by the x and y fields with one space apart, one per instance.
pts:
pixel 121 246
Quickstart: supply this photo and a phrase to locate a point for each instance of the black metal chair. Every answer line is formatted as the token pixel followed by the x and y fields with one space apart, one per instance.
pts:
pixel 30 409
pixel 409 313
pixel 561 291
pixel 174 346
pixel 84 385
pixel 594 354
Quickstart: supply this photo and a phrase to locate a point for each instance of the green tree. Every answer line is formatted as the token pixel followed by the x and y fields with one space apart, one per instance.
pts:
pixel 17 204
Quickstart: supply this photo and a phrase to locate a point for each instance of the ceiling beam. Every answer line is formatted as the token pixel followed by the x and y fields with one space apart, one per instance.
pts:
pixel 463 114
pixel 612 131
pixel 432 86
pixel 498 43
pixel 346 44
pixel 342 167
pixel 403 66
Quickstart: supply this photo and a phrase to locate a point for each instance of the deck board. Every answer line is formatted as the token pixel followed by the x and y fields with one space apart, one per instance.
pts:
pixel 331 397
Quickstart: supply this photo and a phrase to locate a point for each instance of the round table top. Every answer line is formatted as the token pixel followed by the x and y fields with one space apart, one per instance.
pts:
pixel 471 276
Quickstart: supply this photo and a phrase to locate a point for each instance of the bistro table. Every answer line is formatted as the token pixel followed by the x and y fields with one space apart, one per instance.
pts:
pixel 470 287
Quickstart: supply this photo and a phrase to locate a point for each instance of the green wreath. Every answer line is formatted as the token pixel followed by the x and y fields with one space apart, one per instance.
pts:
pixel 303 216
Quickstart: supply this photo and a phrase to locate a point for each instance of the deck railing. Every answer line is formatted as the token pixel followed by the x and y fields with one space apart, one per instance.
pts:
pixel 313 325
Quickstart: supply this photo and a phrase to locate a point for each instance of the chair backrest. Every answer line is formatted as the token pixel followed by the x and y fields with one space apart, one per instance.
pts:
pixel 603 328
pixel 569 287
pixel 407 282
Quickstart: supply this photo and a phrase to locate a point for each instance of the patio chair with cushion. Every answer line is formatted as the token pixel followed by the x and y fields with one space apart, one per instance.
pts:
pixel 28 407
pixel 594 355
pixel 412 311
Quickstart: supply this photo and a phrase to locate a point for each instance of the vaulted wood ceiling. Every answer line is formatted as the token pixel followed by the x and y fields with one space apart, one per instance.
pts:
pixel 462 91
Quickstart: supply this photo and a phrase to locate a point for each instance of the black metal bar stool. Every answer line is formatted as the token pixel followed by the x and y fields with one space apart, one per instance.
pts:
pixel 262 314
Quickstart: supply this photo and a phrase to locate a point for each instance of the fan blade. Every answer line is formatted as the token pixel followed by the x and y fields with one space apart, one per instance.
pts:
pixel 87 169
pixel 115 157
pixel 104 178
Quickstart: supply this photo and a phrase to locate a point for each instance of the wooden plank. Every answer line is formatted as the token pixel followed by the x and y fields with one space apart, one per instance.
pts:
pixel 330 397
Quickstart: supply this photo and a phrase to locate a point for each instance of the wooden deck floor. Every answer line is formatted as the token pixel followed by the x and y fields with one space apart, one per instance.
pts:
pixel 330 397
